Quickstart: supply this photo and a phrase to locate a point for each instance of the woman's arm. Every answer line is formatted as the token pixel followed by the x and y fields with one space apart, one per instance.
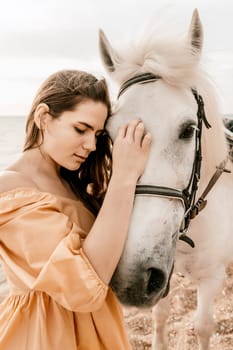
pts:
pixel 105 242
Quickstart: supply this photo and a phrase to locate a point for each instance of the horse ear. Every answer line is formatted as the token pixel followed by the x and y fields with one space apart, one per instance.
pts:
pixel 109 56
pixel 195 34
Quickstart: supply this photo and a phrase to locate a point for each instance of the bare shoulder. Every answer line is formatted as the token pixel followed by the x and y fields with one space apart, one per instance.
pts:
pixel 10 180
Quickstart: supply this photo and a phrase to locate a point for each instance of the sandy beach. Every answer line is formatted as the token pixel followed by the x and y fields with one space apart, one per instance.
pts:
pixel 180 328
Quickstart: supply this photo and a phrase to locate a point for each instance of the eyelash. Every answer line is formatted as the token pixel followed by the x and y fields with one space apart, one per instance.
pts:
pixel 79 131
pixel 188 132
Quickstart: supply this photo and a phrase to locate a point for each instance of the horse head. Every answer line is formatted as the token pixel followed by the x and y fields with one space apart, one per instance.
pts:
pixel 157 80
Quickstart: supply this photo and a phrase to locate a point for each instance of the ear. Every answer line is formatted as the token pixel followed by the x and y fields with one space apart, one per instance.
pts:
pixel 109 56
pixel 41 115
pixel 195 34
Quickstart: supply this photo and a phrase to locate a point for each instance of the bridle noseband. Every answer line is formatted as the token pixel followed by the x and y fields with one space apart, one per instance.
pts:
pixel 187 195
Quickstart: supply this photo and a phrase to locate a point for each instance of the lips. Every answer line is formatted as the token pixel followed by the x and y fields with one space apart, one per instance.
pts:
pixel 80 158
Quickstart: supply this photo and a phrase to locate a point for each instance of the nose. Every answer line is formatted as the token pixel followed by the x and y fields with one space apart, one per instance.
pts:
pixel 156 280
pixel 89 143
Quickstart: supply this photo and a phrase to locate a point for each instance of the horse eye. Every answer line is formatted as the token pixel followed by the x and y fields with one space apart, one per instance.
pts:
pixel 187 132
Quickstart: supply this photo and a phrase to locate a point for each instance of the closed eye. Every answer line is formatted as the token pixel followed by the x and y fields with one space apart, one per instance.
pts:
pixel 187 131
pixel 79 131
pixel 82 131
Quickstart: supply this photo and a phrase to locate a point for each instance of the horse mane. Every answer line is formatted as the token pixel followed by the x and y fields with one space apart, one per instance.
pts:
pixel 178 64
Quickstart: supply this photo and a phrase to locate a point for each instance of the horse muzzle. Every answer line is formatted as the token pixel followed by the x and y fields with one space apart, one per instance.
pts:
pixel 144 289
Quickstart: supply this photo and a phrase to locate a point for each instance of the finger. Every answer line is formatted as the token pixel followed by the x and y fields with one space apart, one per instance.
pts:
pixel 138 134
pixel 131 129
pixel 121 131
pixel 146 142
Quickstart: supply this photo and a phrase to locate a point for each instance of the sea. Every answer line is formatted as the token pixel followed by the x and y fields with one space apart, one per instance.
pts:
pixel 12 134
pixel 11 145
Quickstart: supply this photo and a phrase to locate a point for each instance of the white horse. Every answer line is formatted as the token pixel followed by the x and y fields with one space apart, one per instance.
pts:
pixel 158 80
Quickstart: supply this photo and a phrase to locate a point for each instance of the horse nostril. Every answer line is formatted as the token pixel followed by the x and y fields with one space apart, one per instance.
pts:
pixel 156 280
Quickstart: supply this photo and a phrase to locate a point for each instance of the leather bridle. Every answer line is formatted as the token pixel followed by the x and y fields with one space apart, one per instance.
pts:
pixel 187 195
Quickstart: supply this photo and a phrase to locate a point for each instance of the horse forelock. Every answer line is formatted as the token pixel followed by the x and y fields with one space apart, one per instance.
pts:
pixel 175 60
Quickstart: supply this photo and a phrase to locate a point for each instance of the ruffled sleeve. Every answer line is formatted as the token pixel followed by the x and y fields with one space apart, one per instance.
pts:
pixel 41 248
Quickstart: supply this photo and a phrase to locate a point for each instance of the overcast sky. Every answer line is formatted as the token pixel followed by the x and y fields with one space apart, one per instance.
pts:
pixel 40 37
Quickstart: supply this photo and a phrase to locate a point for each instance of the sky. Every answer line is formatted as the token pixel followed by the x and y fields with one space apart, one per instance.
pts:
pixel 39 37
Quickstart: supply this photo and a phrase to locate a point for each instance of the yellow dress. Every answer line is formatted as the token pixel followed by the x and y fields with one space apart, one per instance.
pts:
pixel 57 301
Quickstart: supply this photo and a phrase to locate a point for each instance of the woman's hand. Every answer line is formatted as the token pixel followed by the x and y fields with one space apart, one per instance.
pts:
pixel 130 150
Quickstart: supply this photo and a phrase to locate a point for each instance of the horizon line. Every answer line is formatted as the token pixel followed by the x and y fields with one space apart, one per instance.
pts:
pixel 24 115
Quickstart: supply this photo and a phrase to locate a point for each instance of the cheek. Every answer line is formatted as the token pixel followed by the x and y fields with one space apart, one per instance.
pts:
pixel 57 142
pixel 185 170
pixel 180 157
pixel 62 136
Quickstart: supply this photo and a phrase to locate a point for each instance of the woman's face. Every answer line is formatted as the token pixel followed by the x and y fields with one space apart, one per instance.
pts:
pixel 69 139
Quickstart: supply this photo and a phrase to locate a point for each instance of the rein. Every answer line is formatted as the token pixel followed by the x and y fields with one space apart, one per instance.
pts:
pixel 187 195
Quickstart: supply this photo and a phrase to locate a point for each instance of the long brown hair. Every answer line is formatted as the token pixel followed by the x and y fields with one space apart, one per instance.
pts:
pixel 61 92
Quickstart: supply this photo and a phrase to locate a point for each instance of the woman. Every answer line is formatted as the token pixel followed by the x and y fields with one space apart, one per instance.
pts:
pixel 60 241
